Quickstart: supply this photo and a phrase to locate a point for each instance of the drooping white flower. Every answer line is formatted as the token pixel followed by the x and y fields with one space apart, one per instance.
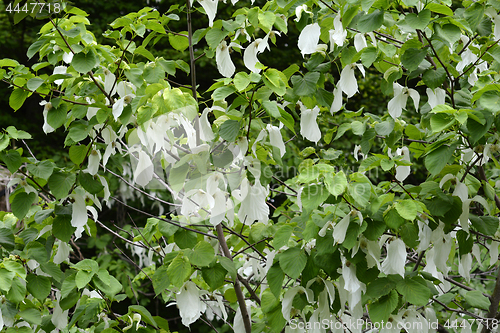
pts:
pixel 338 34
pixel 46 107
pixel 395 261
pixel 340 229
pixel 299 10
pixel 144 170
pixel 210 7
pixel 347 82
pixel 337 100
pixel 403 171
pixel 59 317
pixel 223 59
pixel 360 42
pixel 189 303
pixel 94 159
pixel 309 39
pixel 67 57
pixel 351 282
pixel 250 55
pixel 79 212
pixel 309 128
pixel 398 102
pixel 126 92
pixel 109 82
pixel 435 97
pixel 59 70
pixel 253 202
pixel 275 138
pixel 206 133
pixel 286 302
pixel 62 254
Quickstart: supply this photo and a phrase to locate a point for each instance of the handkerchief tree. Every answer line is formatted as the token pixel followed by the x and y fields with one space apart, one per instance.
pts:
pixel 267 222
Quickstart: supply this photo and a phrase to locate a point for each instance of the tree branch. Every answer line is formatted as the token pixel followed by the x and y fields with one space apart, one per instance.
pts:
pixel 237 287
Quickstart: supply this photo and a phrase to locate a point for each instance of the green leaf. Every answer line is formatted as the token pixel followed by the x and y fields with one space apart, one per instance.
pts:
pixel 229 130
pixel 436 160
pixel 465 242
pixel 228 265
pixel 266 20
pixel 87 265
pixel 441 121
pixel 84 62
pixel 82 278
pixel 202 255
pixel 407 209
pixel 53 270
pixel 41 170
pixel 222 92
pixel 31 315
pixel 62 228
pixel 293 261
pixel 477 300
pixel 409 234
pixel 179 271
pixel 17 291
pixel 77 154
pixel 381 309
pixel 111 289
pixel 185 239
pixel 271 108
pixel 241 81
pixel 15 267
pixel 414 292
pixel 89 183
pixel 38 286
pixel 214 276
pixel 305 85
pixel 60 183
pixel 440 9
pixel 145 314
pixel 380 287
pixel 282 236
pixel 22 203
pixel 180 43
pixel 473 15
pixel 215 36
pixel 370 22
pixel 420 20
pixel 17 98
pixel 6 279
pixel 12 159
pixel 312 196
pixel 56 116
pixel 336 184
pixel 487 225
pixel 412 58
pixel 275 277
pixel 160 280
pixel 393 220
pixel 34 83
pixel 79 131
pixel 360 189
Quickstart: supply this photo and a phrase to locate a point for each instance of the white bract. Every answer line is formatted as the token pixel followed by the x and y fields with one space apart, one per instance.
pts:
pixel 210 7
pixel 398 102
pixel 223 59
pixel 309 39
pixel 250 56
pixel 395 261
pixel 338 34
pixel 189 303
pixel 309 128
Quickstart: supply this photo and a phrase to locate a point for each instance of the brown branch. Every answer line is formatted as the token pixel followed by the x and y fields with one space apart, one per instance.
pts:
pixel 237 287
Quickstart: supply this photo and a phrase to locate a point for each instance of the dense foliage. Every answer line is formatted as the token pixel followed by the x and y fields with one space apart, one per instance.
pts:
pixel 268 204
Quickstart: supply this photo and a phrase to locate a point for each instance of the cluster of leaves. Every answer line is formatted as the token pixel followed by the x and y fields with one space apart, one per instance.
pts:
pixel 344 244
